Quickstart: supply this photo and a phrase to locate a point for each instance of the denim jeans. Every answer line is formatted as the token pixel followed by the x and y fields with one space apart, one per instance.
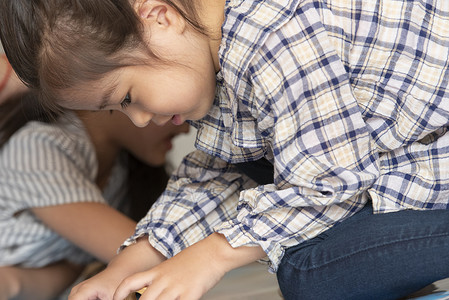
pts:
pixel 382 256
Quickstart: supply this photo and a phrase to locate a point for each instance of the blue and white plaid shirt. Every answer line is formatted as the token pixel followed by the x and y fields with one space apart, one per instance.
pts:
pixel 348 99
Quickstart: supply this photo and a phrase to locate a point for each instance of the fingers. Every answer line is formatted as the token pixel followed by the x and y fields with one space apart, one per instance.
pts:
pixel 162 290
pixel 92 289
pixel 86 294
pixel 166 294
pixel 157 289
pixel 131 284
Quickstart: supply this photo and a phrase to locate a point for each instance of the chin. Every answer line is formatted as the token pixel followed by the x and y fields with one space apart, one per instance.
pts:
pixel 157 162
pixel 153 159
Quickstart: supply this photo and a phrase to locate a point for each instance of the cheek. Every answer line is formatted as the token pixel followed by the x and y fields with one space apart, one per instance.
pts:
pixel 197 93
pixel 153 151
pixel 155 156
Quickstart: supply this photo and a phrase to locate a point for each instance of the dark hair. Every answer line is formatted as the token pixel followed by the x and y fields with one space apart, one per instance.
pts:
pixel 54 45
pixel 145 184
pixel 18 110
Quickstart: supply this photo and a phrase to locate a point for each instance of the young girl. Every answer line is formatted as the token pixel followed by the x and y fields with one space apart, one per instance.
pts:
pixel 68 189
pixel 322 135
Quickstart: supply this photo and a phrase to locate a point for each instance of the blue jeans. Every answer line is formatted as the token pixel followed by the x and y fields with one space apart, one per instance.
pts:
pixel 383 256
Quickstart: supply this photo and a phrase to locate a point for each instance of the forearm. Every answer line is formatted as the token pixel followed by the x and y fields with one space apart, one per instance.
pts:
pixel 41 283
pixel 94 227
pixel 192 272
pixel 135 258
pixel 224 256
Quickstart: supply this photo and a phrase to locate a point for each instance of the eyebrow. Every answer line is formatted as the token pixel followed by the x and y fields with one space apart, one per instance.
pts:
pixel 106 98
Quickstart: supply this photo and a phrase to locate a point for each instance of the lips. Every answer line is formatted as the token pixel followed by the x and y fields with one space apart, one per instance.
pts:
pixel 176 120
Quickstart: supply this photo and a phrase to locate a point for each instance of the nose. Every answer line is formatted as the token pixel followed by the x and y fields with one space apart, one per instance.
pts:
pixel 138 117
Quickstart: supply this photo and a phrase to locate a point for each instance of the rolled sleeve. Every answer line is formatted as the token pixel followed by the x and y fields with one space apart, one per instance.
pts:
pixel 202 194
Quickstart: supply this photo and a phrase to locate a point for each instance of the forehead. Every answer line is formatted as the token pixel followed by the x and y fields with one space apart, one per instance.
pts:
pixel 90 95
pixel 94 94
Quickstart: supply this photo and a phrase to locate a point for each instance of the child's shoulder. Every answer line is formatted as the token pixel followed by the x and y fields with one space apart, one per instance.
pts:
pixel 61 134
pixel 36 130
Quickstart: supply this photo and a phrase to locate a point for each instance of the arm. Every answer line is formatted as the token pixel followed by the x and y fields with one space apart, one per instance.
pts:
pixel 135 258
pixel 173 211
pixel 42 283
pixel 63 195
pixel 200 266
pixel 94 227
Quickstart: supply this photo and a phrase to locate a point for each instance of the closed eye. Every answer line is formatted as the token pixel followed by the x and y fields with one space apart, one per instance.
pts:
pixel 126 101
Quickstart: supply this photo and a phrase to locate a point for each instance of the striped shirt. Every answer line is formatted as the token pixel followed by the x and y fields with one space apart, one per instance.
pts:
pixel 44 165
pixel 348 99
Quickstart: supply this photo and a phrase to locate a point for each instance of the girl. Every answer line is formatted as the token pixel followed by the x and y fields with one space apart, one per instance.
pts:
pixel 68 190
pixel 321 135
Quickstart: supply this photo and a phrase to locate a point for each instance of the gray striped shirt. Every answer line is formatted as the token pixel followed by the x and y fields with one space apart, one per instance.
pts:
pixel 44 165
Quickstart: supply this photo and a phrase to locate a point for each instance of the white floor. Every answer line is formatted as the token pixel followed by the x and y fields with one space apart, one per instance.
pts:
pixel 252 282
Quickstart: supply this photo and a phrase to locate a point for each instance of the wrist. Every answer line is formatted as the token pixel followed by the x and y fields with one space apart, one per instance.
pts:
pixel 229 258
pixel 137 257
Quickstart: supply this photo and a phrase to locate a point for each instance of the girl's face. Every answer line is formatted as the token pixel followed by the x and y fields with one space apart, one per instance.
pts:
pixel 167 94
pixel 179 88
pixel 144 94
pixel 149 144
pixel 115 131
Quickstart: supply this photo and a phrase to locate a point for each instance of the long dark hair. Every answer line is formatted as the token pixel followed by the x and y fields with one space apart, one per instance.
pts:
pixel 55 45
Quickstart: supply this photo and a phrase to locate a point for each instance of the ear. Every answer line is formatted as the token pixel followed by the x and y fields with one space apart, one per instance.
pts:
pixel 159 13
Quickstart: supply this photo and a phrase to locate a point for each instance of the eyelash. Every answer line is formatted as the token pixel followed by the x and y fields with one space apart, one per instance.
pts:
pixel 126 101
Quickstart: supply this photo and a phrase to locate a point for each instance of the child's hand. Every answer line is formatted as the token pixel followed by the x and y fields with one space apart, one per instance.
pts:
pixel 37 283
pixel 191 273
pixel 101 286
pixel 135 258
pixel 188 275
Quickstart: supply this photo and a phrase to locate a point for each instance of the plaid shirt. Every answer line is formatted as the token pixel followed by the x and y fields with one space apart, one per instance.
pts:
pixel 347 99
